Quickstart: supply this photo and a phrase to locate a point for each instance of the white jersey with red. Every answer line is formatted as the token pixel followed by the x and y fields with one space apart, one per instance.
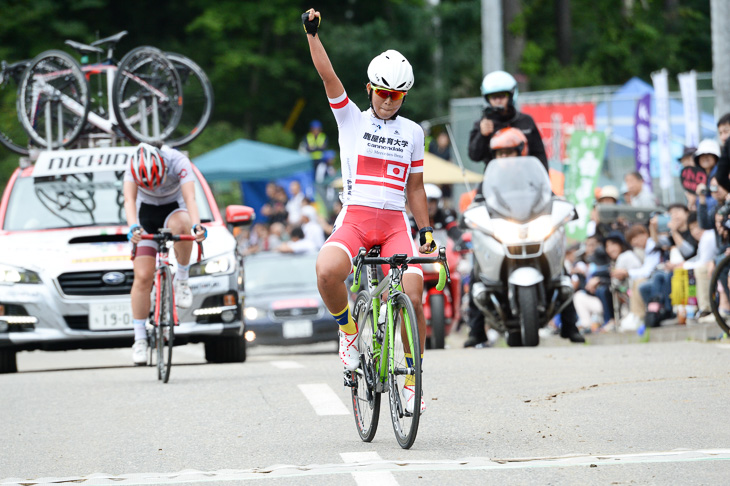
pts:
pixel 377 157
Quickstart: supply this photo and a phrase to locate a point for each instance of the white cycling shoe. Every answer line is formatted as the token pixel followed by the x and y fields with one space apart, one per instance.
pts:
pixel 139 352
pixel 349 354
pixel 183 294
pixel 409 395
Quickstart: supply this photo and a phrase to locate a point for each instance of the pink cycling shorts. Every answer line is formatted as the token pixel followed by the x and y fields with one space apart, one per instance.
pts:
pixel 362 226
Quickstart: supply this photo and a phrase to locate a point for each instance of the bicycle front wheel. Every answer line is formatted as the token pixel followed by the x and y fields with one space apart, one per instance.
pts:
pixel 197 100
pixel 53 100
pixel 147 95
pixel 404 372
pixel 365 400
pixel 165 327
pixel 719 276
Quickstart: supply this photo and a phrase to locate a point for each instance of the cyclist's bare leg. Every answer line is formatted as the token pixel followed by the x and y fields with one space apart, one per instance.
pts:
pixel 180 224
pixel 333 267
pixel 413 287
pixel 144 273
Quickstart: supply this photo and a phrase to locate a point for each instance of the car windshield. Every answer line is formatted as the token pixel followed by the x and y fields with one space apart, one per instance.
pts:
pixel 517 188
pixel 73 200
pixel 265 273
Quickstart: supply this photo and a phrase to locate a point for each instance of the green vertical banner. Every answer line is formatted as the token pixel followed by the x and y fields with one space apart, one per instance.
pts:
pixel 586 151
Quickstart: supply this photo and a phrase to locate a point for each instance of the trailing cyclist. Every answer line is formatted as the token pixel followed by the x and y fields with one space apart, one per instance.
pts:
pixel 382 164
pixel 159 192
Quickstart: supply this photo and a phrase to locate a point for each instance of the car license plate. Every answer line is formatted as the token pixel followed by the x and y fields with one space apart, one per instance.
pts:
pixel 297 329
pixel 113 316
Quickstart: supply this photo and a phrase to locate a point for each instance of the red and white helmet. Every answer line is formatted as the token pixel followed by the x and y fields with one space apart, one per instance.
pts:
pixel 148 167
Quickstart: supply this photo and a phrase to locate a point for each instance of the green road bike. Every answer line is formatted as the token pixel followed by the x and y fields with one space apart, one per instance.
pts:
pixel 384 341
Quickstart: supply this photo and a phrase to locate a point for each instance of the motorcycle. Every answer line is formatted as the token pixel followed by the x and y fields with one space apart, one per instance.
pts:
pixel 518 238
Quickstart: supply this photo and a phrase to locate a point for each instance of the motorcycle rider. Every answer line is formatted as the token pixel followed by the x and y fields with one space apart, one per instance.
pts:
pixel 511 142
pixel 500 91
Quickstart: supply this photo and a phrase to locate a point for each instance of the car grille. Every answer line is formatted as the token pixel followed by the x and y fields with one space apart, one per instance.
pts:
pixel 79 323
pixel 296 312
pixel 91 283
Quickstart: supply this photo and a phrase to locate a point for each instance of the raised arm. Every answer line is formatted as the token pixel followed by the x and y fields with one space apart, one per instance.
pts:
pixel 332 84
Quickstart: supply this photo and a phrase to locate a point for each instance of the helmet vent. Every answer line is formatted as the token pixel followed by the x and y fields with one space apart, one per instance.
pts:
pixel 402 84
pixel 385 82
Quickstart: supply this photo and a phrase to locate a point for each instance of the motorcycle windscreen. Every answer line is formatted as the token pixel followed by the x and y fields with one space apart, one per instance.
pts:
pixel 517 188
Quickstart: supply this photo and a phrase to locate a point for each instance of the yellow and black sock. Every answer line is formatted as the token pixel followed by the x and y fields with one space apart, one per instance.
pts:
pixel 410 379
pixel 344 319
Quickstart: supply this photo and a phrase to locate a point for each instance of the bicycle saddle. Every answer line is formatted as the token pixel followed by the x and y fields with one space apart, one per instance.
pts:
pixel 83 49
pixel 112 39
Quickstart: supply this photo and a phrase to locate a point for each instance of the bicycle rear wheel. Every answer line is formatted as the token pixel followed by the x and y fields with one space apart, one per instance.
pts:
pixel 405 424
pixel 719 276
pixel 197 100
pixel 12 134
pixel 147 95
pixel 53 100
pixel 365 400
pixel 165 327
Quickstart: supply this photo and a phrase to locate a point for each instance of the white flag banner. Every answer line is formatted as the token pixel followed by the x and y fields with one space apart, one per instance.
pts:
pixel 661 94
pixel 688 87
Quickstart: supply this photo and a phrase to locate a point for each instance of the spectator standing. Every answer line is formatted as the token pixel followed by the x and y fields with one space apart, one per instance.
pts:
pixel 311 226
pixel 315 143
pixel 275 209
pixel 295 203
pixel 441 147
pixel 687 159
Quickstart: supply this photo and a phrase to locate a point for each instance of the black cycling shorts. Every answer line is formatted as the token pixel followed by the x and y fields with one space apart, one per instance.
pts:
pixel 152 218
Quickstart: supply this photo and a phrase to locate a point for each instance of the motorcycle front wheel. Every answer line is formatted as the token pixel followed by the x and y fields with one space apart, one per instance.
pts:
pixel 527 301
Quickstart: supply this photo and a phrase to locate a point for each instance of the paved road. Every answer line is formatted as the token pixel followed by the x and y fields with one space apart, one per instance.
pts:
pixel 620 414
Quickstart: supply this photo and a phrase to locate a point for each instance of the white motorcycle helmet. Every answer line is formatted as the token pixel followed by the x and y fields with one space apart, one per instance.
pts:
pixel 500 82
pixel 391 70
pixel 432 191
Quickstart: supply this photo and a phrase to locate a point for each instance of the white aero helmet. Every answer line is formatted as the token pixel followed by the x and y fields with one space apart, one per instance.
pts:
pixel 500 82
pixel 432 191
pixel 707 146
pixel 391 70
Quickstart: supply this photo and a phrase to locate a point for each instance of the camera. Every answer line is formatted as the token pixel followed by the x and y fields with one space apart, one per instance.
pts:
pixel 663 222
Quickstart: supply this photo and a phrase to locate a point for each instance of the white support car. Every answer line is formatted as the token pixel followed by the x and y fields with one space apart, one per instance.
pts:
pixel 65 267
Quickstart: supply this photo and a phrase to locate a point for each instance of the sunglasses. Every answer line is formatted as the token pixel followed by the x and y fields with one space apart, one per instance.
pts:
pixel 384 93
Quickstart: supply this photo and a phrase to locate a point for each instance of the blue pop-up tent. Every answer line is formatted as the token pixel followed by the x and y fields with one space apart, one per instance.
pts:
pixel 254 164
pixel 618 114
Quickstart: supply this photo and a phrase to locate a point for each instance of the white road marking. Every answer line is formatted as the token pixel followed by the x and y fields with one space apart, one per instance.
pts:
pixel 324 400
pixel 370 478
pixel 286 365
pixel 467 464
pixel 723 346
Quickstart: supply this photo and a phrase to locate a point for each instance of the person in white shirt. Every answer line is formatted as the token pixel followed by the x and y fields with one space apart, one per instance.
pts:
pixel 295 203
pixel 298 243
pixel 638 193
pixel 310 225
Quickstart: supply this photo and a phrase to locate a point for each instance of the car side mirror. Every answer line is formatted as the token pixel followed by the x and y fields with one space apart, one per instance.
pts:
pixel 237 215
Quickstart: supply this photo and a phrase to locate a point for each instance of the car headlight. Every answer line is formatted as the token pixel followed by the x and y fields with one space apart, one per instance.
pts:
pixel 540 228
pixel 11 275
pixel 254 313
pixel 214 266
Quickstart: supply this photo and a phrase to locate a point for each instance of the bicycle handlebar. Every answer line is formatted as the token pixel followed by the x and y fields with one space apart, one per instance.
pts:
pixel 401 260
pixel 165 237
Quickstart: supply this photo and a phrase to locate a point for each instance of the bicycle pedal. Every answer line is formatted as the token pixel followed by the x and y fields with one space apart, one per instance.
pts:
pixel 350 380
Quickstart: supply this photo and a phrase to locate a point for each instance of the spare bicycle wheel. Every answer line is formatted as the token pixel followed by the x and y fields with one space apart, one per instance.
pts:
pixel 53 100
pixel 197 100
pixel 12 133
pixel 147 95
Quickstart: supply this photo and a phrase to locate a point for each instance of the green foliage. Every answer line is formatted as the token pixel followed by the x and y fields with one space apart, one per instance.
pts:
pixel 275 134
pixel 257 58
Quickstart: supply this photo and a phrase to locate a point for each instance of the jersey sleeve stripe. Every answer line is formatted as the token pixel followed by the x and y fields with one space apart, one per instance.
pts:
pixel 417 163
pixel 339 102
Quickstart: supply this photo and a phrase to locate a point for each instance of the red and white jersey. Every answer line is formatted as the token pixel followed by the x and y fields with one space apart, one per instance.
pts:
pixel 377 155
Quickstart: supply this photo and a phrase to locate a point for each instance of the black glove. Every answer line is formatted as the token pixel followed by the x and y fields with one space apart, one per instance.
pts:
pixel 426 238
pixel 310 26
